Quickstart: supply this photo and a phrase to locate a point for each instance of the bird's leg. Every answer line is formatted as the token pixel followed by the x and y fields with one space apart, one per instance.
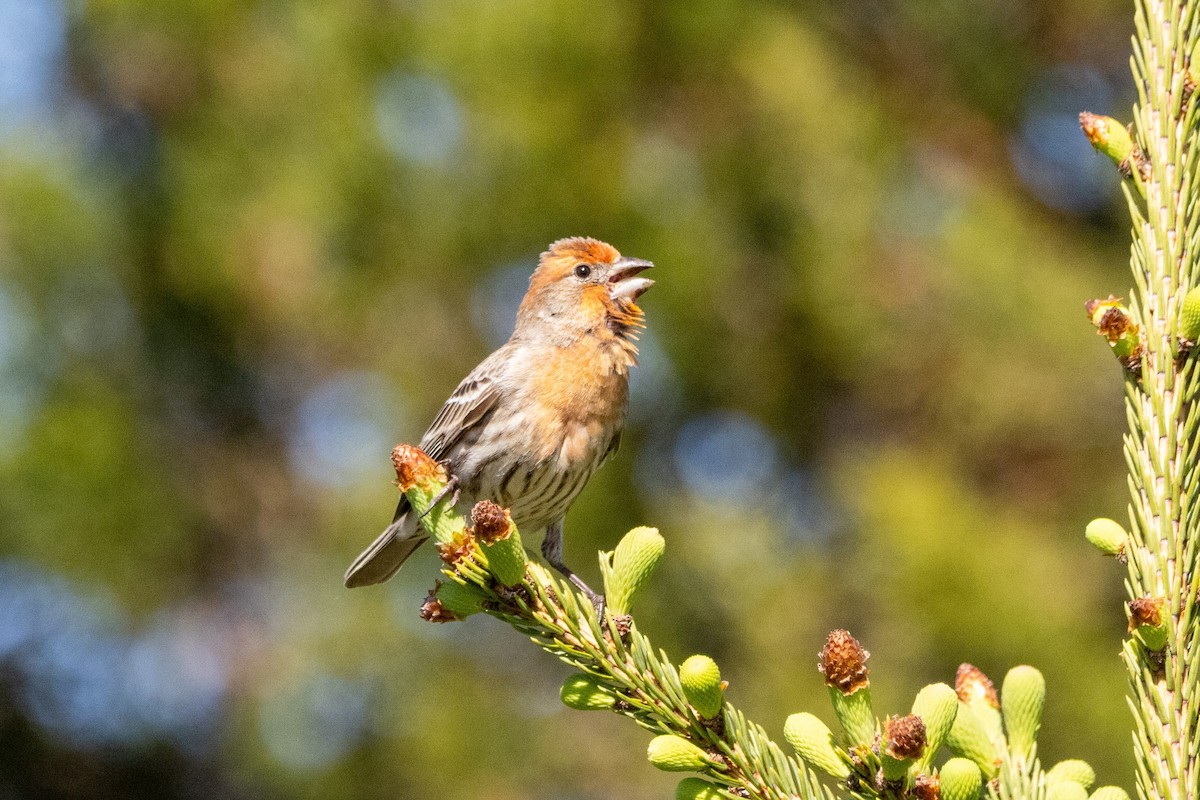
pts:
pixel 552 551
pixel 451 486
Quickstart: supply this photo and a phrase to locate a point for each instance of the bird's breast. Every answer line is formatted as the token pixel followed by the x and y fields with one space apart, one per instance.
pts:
pixel 579 396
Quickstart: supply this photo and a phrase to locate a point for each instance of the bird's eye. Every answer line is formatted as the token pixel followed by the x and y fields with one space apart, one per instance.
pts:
pixel 582 271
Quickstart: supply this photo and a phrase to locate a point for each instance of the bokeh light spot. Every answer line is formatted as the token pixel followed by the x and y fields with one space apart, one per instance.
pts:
pixel 1052 157
pixel 726 457
pixel 32 36
pixel 419 118
pixel 340 423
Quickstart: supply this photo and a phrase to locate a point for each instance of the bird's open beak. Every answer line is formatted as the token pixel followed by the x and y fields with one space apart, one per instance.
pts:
pixel 623 283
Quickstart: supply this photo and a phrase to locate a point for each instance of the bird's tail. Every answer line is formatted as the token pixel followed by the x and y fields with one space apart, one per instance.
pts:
pixel 389 550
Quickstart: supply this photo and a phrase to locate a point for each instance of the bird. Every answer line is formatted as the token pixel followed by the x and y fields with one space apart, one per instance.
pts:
pixel 530 425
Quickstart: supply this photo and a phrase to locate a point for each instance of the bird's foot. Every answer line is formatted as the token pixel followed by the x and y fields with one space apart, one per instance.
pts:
pixel 598 601
pixel 451 488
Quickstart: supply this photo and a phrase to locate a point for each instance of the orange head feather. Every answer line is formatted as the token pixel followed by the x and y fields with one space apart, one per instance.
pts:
pixel 582 286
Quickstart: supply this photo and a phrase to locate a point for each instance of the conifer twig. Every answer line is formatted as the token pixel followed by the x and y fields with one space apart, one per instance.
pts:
pixel 1163 657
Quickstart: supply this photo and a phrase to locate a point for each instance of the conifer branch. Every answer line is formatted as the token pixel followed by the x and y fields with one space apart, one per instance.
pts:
pixel 619 669
pixel 993 735
pixel 1161 656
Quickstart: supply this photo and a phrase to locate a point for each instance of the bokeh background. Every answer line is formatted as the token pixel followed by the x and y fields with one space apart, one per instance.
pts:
pixel 246 247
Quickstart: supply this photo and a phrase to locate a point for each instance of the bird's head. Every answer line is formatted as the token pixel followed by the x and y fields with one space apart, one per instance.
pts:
pixel 581 286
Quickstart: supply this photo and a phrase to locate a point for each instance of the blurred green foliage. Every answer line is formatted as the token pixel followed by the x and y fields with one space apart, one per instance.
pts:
pixel 870 397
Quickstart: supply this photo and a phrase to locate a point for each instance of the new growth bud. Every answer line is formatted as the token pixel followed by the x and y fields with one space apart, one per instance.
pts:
pixel 969 739
pixel 633 562
pixel 936 705
pixel 813 742
pixel 1022 699
pixel 1114 322
pixel 843 662
pixel 584 692
pixel 500 542
pixel 1146 619
pixel 698 789
pixel 460 600
pixel 423 480
pixel 1109 793
pixel 701 682
pixel 1073 770
pixel 1113 140
pixel 1189 319
pixel 1107 135
pixel 960 780
pixel 1066 790
pixel 676 754
pixel 1108 537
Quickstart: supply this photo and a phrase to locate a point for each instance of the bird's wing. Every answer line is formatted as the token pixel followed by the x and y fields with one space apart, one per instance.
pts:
pixel 470 404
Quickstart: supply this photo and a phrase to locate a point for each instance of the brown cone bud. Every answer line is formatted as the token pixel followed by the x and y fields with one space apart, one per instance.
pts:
pixel 905 736
pixel 972 685
pixel 843 662
pixel 927 787
pixel 414 467
pixel 1146 618
pixel 1145 611
pixel 432 609
pixel 490 522
pixel 460 547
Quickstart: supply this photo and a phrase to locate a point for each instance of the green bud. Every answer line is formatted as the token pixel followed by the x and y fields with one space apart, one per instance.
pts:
pixel 1066 790
pixel 500 542
pixel 584 692
pixel 1107 135
pixel 701 681
pixel 676 754
pixel 1189 321
pixel 1146 619
pixel 1109 793
pixel 813 742
pixel 633 562
pixel 1107 536
pixel 969 739
pixel 1022 699
pixel 855 715
pixel 1073 770
pixel 936 705
pixel 462 601
pixel 1115 323
pixel 698 789
pixel 1153 638
pixel 506 559
pixel 843 662
pixel 422 479
pixel 960 779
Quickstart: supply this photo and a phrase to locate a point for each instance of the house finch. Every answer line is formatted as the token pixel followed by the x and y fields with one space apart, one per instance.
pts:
pixel 529 425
